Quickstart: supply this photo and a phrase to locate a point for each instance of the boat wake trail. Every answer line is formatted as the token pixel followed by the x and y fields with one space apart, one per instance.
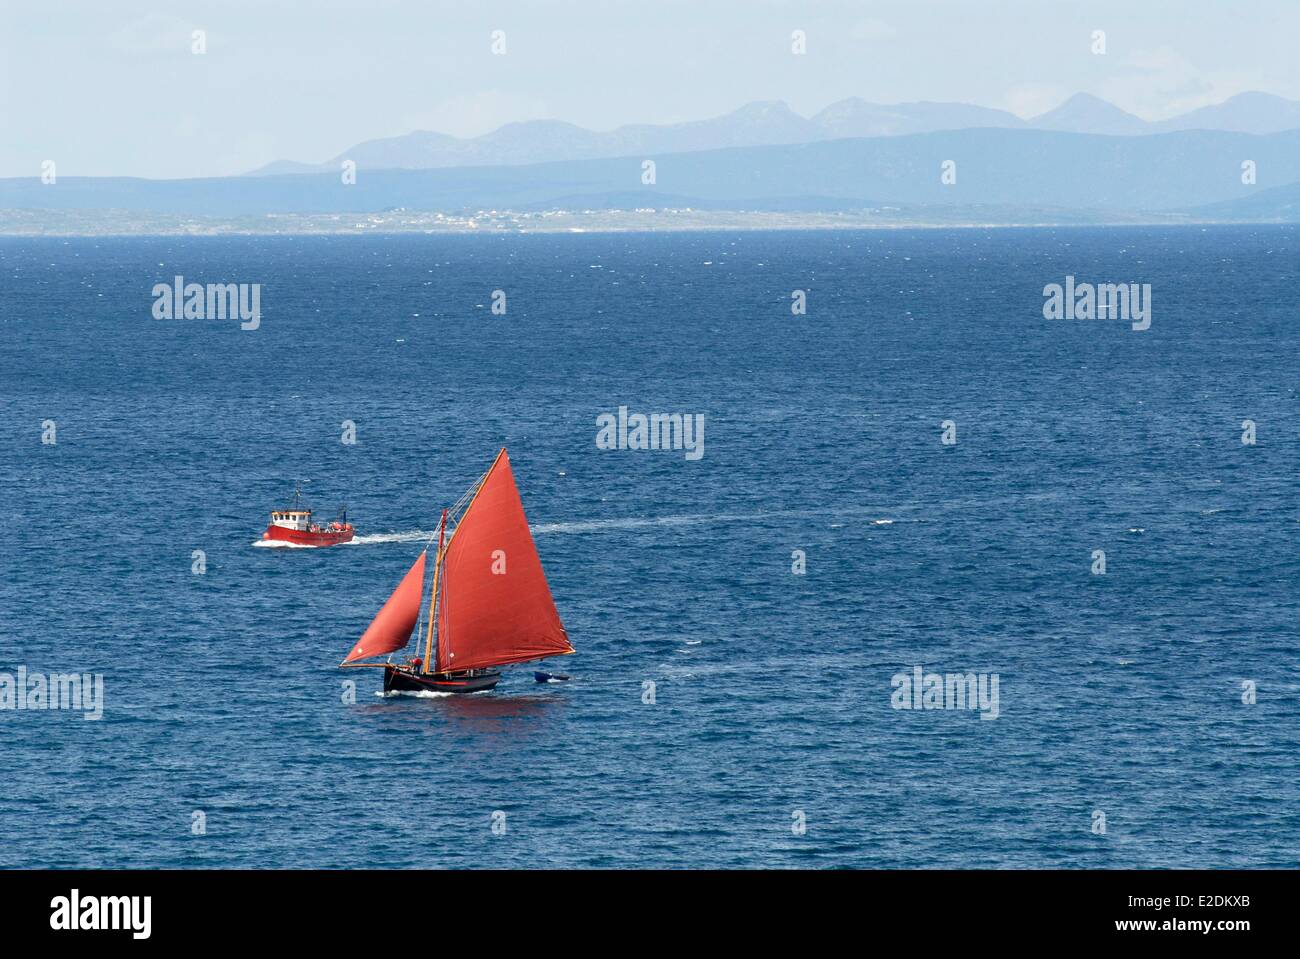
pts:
pixel 280 544
pixel 622 523
pixel 630 522
pixel 409 536
pixel 598 525
pixel 413 694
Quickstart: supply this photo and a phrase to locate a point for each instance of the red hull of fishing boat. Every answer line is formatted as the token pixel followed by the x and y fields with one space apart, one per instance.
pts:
pixel 299 537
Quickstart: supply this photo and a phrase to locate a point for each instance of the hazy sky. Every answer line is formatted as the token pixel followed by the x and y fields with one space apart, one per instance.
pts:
pixel 111 87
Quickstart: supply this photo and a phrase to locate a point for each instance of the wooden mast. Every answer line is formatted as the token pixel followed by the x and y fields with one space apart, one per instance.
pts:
pixel 433 599
pixel 437 564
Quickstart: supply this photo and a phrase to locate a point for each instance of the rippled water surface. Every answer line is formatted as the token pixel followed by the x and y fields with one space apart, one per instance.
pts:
pixel 1118 693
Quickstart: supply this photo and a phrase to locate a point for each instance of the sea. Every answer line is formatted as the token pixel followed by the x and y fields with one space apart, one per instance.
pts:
pixel 918 475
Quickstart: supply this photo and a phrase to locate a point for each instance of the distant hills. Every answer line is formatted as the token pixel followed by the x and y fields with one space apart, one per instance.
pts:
pixel 773 123
pixel 1279 204
pixel 1083 113
pixel 1087 161
pixel 1026 170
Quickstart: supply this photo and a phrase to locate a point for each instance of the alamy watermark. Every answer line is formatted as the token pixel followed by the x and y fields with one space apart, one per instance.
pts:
pixel 75 912
pixel 653 431
pixel 72 691
pixel 211 301
pixel 921 690
pixel 1098 301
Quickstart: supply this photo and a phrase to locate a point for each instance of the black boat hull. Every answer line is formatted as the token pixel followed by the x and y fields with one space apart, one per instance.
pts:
pixel 404 681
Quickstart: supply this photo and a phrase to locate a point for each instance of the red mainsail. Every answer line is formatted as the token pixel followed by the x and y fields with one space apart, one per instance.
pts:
pixel 391 628
pixel 495 607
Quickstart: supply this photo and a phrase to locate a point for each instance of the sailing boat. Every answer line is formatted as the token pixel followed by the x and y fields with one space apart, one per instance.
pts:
pixel 489 600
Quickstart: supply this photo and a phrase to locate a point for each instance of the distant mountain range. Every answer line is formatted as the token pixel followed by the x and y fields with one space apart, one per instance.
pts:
pixel 1024 175
pixel 773 123
pixel 1086 161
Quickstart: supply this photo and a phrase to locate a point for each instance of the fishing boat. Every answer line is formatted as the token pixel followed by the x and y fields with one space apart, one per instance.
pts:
pixel 489 603
pixel 294 526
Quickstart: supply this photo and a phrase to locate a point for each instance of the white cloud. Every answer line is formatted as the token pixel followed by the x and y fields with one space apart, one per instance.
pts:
pixel 474 114
pixel 1032 99
pixel 153 34
pixel 1160 83
pixel 872 30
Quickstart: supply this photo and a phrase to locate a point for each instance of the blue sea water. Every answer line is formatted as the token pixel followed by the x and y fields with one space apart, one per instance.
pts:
pixel 1119 693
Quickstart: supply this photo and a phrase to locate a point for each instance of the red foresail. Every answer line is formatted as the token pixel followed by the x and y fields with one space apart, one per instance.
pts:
pixel 495 607
pixel 391 628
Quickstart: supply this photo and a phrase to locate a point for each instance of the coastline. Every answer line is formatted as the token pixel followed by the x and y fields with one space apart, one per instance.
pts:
pixel 94 223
